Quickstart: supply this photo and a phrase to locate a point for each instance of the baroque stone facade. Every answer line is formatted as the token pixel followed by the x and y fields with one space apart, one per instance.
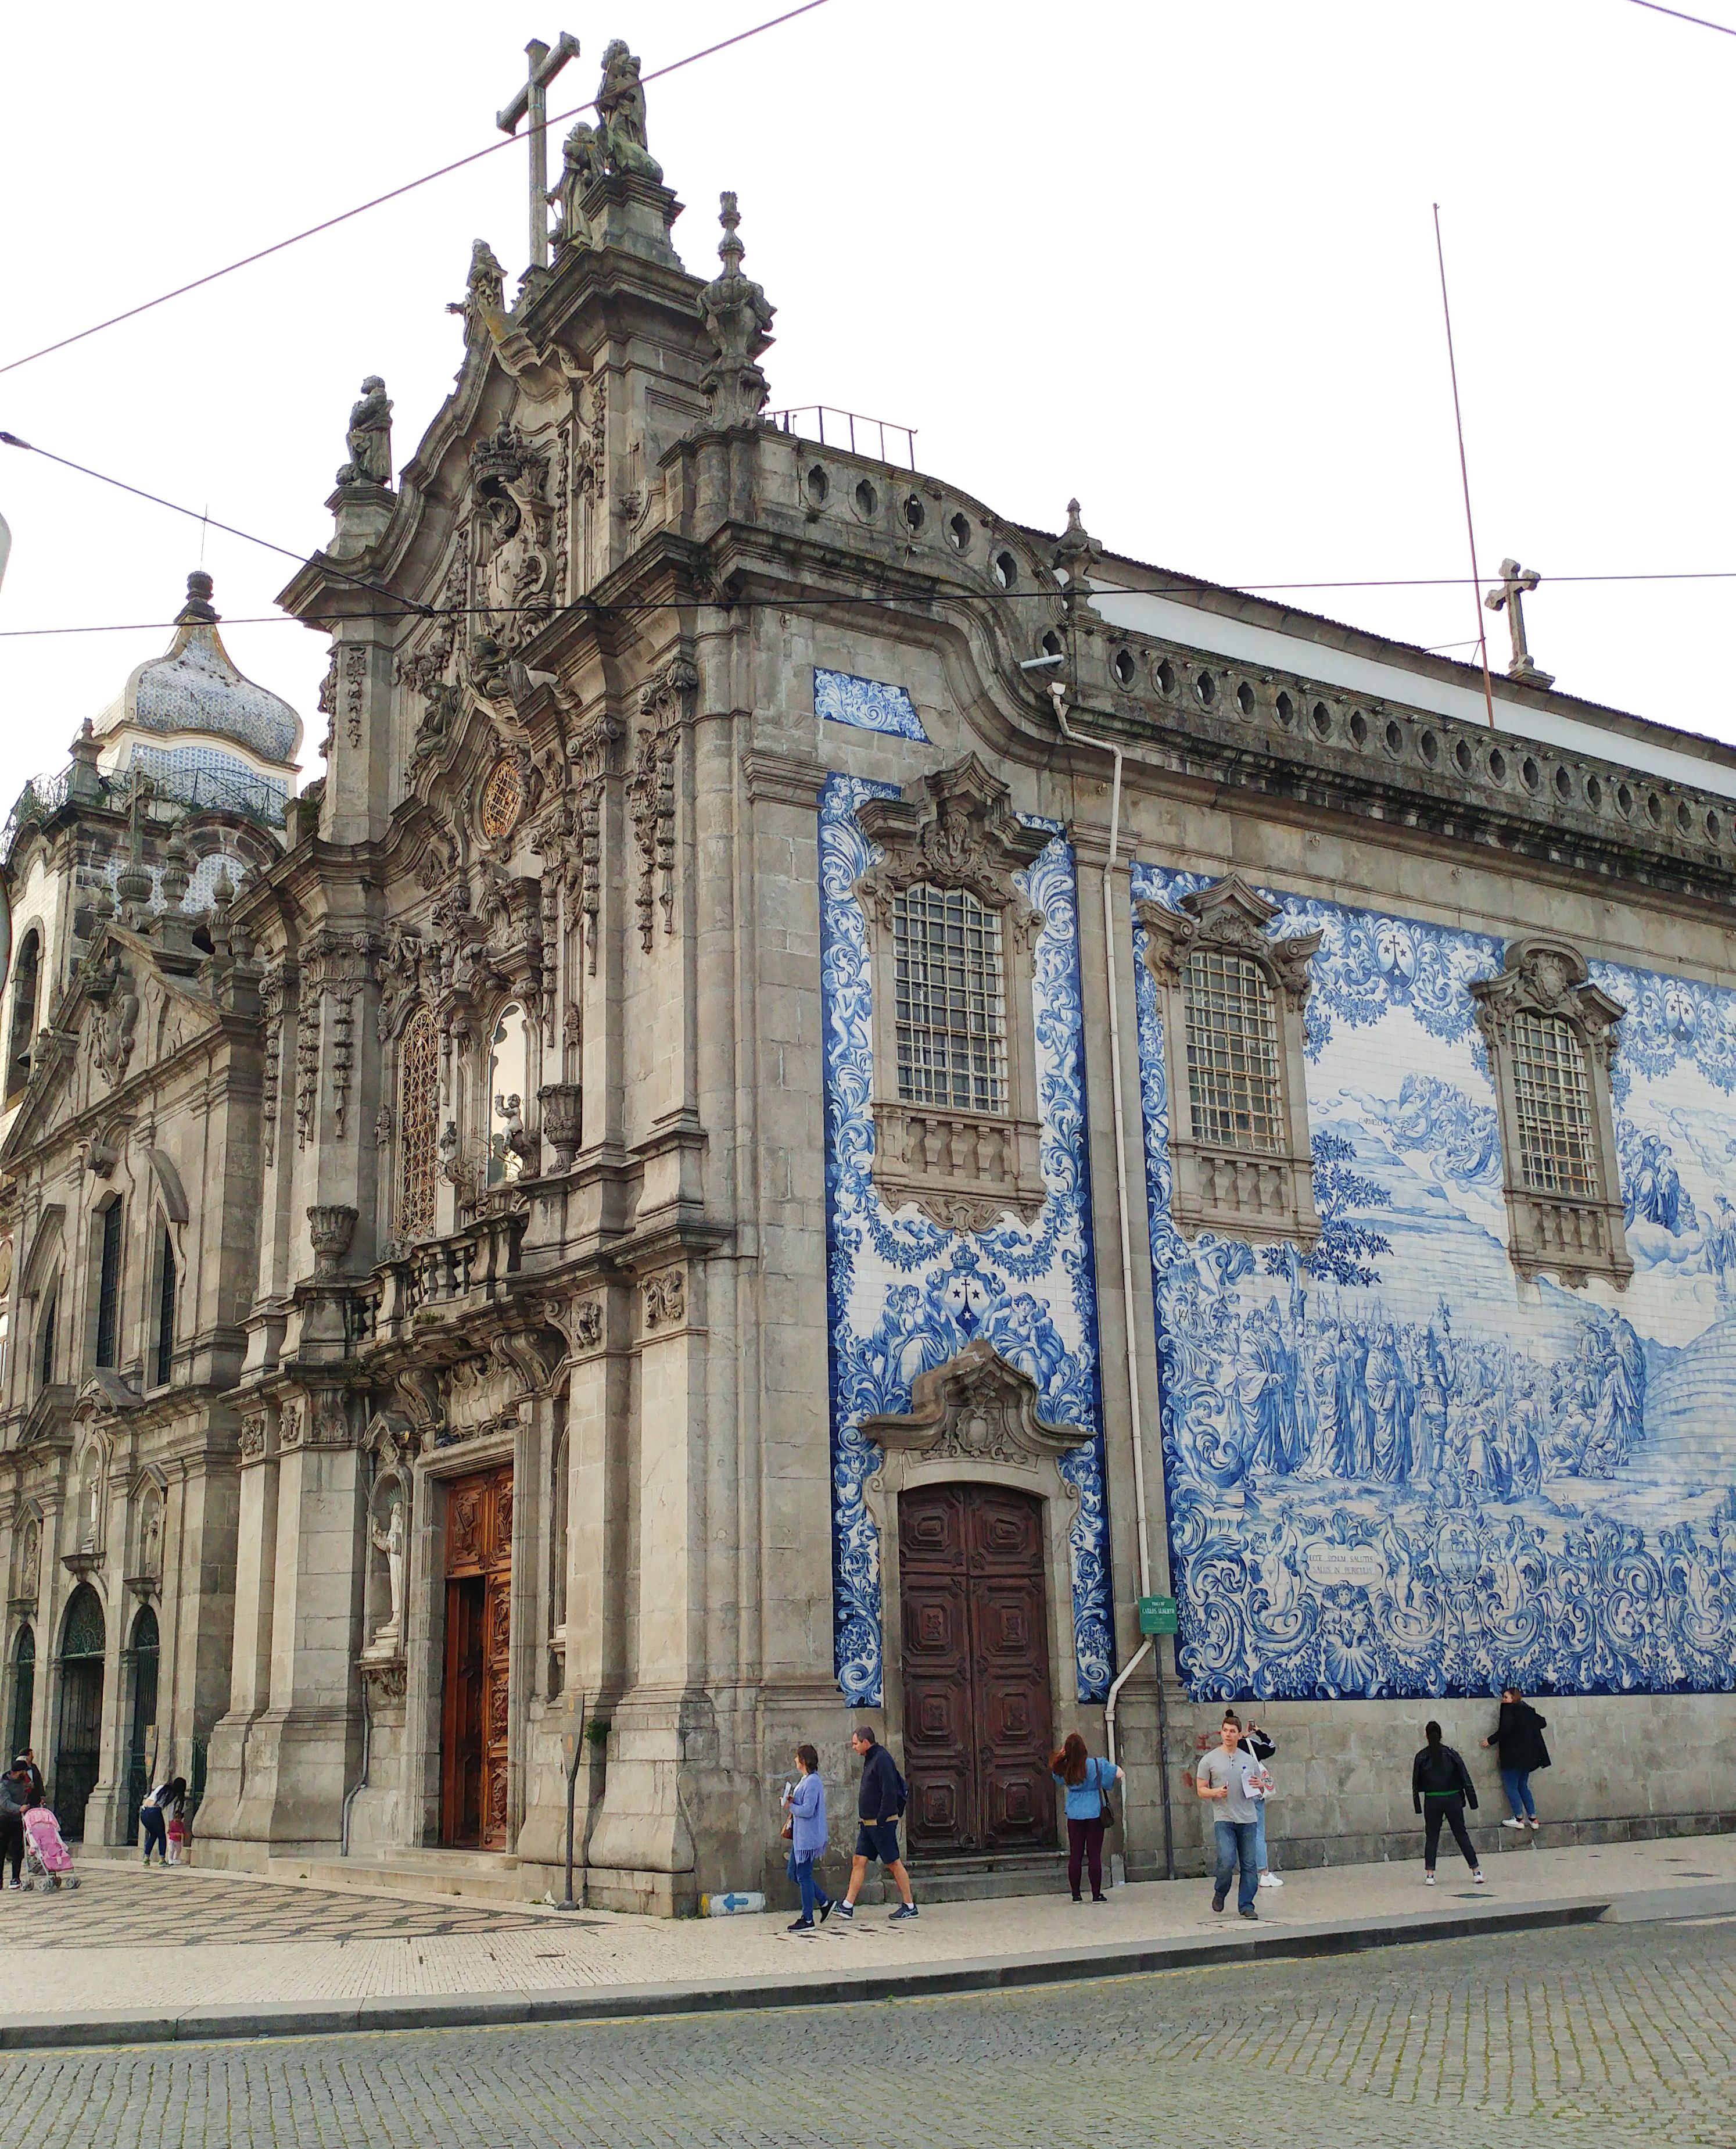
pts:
pixel 739 1165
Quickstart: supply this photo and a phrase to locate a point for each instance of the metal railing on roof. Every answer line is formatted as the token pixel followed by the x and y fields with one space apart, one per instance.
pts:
pixel 850 429
pixel 200 790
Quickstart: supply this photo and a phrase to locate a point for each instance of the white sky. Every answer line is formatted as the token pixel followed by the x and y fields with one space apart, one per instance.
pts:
pixel 1177 259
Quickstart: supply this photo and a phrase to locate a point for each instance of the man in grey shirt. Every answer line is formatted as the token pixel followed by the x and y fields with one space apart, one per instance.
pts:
pixel 1223 1781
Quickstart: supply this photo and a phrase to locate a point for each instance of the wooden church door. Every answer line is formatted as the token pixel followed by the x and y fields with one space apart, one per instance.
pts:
pixel 977 1704
pixel 479 1636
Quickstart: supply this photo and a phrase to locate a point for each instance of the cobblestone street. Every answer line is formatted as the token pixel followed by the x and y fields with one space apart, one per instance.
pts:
pixel 1599 2034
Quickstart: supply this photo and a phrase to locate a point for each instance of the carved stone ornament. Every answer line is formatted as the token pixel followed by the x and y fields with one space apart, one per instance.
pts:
pixel 665 1299
pixel 1261 1187
pixel 975 1408
pixel 331 1225
pixel 111 988
pixel 562 1119
pixel 964 1169
pixel 665 703
pixel 512 526
pixel 253 1436
pixel 369 437
pixel 739 321
pixel 387 1677
pixel 1569 1221
pixel 289 1427
pixel 579 1321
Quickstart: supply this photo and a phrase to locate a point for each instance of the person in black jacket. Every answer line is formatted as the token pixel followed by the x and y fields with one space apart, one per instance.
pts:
pixel 878 1803
pixel 1519 1737
pixel 17 1797
pixel 1439 1785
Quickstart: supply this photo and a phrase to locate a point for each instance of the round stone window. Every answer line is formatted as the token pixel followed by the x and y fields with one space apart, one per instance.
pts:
pixel 503 799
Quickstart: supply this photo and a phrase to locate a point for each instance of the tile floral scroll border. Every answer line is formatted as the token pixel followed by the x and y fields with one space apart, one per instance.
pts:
pixel 866 705
pixel 1592 1604
pixel 904 1295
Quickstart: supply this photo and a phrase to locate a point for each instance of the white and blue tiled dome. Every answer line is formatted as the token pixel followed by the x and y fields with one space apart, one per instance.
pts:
pixel 194 687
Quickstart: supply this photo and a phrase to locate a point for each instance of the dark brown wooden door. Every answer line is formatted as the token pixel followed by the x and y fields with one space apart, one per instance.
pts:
pixel 977 1713
pixel 478 1649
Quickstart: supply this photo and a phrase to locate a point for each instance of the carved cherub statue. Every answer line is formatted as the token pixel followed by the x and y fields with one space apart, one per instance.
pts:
pixel 391 1541
pixel 370 438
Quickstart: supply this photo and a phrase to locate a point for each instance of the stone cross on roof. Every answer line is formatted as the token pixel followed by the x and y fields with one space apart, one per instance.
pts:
pixel 1516 581
pixel 532 101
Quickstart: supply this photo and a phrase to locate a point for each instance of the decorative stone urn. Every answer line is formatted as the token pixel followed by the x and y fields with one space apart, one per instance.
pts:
pixel 332 1226
pixel 561 1120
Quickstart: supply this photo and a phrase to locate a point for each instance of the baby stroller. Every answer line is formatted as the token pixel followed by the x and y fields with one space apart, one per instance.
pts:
pixel 47 1862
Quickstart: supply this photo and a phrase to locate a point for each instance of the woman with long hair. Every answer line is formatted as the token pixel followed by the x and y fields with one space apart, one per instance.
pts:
pixel 1439 1785
pixel 1087 1782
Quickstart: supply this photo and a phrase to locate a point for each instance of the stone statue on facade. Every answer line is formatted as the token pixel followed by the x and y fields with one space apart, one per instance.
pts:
pixel 389 1541
pixel 370 438
pixel 621 112
pixel 738 317
pixel 484 302
pixel 581 165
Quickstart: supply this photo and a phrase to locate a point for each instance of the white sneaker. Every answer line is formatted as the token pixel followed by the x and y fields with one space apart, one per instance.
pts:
pixel 1512 1823
pixel 1533 1823
pixel 1478 1877
pixel 1428 1880
pixel 1269 1880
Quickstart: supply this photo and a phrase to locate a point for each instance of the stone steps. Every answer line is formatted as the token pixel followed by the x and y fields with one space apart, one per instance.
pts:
pixel 461 1875
pixel 974 1880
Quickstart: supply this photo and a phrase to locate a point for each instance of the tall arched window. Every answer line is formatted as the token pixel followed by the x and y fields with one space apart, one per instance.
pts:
pixel 1552 1106
pixel 22 1040
pixel 45 1335
pixel 418 1124
pixel 108 1286
pixel 23 1688
pixel 165 1310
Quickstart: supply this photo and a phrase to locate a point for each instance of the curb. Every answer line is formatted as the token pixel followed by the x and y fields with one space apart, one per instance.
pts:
pixel 603 2003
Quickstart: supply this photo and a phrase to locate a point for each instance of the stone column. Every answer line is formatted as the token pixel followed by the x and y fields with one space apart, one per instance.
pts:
pixel 230 1816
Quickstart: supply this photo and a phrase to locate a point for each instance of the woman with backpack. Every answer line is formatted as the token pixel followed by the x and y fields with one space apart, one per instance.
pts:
pixel 1087 1782
pixel 1440 1786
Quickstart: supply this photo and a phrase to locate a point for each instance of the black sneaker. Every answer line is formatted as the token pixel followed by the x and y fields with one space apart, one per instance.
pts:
pixel 800 1925
pixel 903 1911
pixel 827 1907
pixel 1217 1902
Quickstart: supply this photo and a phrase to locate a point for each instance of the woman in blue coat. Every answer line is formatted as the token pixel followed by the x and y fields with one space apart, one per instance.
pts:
pixel 805 1804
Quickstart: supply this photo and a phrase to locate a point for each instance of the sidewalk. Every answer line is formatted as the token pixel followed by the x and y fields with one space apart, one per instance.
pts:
pixel 225 1955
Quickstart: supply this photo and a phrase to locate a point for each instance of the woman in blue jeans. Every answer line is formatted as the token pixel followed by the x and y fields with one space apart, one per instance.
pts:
pixel 156 1812
pixel 1518 1739
pixel 805 1802
pixel 1088 1782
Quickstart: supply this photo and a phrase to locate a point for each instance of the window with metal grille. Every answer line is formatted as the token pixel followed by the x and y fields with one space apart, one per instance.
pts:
pixel 166 1312
pixel 108 1286
pixel 418 1125
pixel 1552 1104
pixel 1232 1052
pixel 950 1000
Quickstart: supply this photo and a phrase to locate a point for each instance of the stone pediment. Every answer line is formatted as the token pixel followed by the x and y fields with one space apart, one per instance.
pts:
pixel 977 1407
pixel 123 1017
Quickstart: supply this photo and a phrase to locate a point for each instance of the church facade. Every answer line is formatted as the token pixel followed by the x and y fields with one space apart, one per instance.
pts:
pixel 828 1093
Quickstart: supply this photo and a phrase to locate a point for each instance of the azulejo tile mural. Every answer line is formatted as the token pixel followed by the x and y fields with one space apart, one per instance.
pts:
pixel 904 1295
pixel 1393 1469
pixel 866 705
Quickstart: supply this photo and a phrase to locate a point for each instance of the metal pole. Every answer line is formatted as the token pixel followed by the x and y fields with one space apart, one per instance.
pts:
pixel 575 1742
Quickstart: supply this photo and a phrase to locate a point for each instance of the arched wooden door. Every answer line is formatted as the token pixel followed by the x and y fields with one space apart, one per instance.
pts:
pixel 479 1636
pixel 977 1704
pixel 78 1741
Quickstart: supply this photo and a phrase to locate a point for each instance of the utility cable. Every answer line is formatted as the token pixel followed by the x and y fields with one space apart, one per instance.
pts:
pixel 1654 7
pixel 393 194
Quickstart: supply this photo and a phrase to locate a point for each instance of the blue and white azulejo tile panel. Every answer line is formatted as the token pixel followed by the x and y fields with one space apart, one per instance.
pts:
pixel 904 1295
pixel 1393 1469
pixel 869 705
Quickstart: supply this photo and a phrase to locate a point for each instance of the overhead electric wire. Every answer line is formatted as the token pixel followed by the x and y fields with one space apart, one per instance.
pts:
pixel 393 194
pixel 1654 8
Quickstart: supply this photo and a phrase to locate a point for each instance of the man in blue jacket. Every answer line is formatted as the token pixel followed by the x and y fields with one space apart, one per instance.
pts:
pixel 878 1803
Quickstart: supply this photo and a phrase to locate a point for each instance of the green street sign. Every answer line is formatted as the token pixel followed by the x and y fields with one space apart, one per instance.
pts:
pixel 1157 1615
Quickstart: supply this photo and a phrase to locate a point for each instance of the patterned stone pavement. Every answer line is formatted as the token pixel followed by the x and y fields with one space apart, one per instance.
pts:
pixel 1595 2037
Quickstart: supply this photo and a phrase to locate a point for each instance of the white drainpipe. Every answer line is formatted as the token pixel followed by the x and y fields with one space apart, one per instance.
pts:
pixel 1057 693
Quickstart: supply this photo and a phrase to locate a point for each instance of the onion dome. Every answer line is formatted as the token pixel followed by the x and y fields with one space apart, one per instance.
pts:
pixel 194 687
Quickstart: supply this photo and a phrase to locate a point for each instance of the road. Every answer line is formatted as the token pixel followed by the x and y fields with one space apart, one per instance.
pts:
pixel 1597 2035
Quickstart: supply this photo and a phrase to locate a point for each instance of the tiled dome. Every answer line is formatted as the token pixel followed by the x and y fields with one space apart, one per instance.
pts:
pixel 194 686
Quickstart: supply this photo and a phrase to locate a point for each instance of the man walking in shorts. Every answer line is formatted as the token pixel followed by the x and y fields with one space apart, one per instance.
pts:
pixel 878 1803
